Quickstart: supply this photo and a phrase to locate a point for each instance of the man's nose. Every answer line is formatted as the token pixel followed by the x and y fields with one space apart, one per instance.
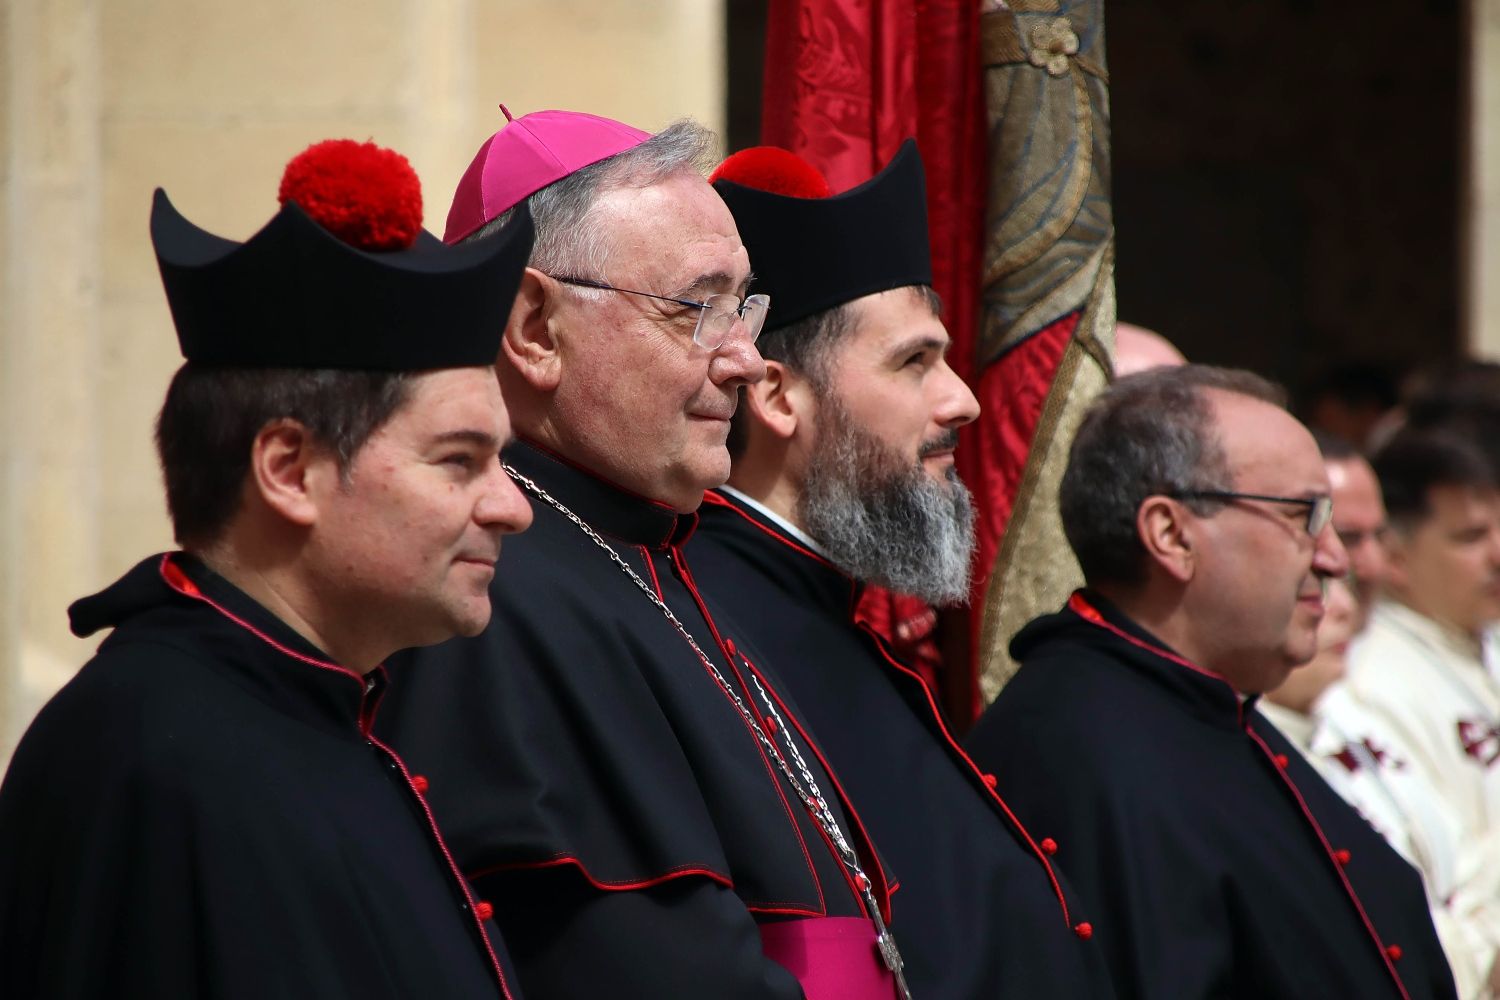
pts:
pixel 1330 558
pixel 956 403
pixel 503 505
pixel 737 361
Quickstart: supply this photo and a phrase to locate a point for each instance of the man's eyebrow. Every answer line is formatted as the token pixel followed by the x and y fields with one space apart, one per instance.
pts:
pixel 708 284
pixel 921 342
pixel 469 435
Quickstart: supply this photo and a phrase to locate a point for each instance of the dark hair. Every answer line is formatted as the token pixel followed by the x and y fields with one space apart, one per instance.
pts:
pixel 1148 433
pixel 211 416
pixel 1335 447
pixel 1355 383
pixel 1416 461
pixel 1460 397
pixel 806 347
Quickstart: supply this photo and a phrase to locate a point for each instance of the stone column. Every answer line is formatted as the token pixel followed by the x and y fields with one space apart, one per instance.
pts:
pixel 1480 211
pixel 51 266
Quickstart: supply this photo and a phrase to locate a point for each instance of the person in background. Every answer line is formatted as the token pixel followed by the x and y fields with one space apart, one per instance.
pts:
pixel 1368 767
pixel 1137 349
pixel 1419 666
pixel 1359 519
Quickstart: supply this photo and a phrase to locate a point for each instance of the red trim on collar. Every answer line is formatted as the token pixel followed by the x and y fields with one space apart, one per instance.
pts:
pixel 719 500
pixel 1080 606
pixel 180 582
pixel 1333 859
pixel 989 789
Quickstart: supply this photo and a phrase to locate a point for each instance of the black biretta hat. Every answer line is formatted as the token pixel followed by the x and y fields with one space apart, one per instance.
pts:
pixel 811 254
pixel 295 295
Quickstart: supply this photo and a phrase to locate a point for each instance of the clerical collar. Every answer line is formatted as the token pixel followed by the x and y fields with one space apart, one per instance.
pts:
pixel 777 519
pixel 608 508
pixel 281 665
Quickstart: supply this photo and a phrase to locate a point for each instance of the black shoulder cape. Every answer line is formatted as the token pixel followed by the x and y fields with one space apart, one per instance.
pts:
pixel 980 912
pixel 1222 864
pixel 202 812
pixel 581 752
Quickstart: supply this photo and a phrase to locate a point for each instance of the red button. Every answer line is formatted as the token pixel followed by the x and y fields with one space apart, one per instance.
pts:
pixel 1048 845
pixel 1342 856
pixel 1394 951
pixel 1084 930
pixel 729 647
pixel 419 783
pixel 1282 760
pixel 770 724
pixel 989 779
pixel 483 910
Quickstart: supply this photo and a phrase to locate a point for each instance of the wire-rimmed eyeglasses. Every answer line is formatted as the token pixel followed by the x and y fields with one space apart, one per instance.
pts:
pixel 716 314
pixel 1319 509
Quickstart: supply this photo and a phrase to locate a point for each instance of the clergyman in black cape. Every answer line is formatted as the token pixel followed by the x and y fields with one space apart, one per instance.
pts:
pixel 203 810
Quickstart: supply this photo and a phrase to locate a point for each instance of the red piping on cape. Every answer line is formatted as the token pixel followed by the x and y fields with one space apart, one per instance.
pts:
pixel 679 564
pixel 179 581
pixel 1338 868
pixel 864 836
pixel 1089 613
pixel 1080 606
pixel 628 885
pixel 994 794
pixel 718 501
pixel 651 568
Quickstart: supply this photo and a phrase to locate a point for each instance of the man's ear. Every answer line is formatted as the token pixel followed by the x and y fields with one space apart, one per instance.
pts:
pixel 530 342
pixel 1166 531
pixel 781 402
pixel 1397 558
pixel 290 471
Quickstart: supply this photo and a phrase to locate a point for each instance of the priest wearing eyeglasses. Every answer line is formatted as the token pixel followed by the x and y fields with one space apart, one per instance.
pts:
pixel 1221 864
pixel 607 757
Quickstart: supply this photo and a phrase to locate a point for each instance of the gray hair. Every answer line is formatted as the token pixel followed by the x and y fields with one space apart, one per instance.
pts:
pixel 1152 433
pixel 569 239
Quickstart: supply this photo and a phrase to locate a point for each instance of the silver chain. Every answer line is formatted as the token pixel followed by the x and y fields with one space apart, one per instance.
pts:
pixel 807 788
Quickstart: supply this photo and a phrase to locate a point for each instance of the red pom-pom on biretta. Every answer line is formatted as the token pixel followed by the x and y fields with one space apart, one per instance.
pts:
pixel 773 169
pixel 364 194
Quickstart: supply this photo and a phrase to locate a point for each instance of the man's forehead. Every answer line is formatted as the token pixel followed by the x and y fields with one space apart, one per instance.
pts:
pixel 896 316
pixel 1352 476
pixel 676 231
pixel 1263 441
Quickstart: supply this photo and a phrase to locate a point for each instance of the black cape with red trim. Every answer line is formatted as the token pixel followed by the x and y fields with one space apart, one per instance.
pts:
pixel 979 912
pixel 1223 866
pixel 200 813
pixel 583 760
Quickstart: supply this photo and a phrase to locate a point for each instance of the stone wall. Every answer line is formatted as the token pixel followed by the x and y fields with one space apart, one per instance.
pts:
pixel 101 102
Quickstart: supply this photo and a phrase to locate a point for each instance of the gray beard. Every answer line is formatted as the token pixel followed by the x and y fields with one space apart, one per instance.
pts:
pixel 883 521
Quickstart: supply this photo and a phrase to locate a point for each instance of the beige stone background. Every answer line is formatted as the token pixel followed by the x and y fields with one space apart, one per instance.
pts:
pixel 101 101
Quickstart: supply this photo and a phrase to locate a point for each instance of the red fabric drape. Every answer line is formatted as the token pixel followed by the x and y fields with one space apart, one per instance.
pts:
pixel 846 81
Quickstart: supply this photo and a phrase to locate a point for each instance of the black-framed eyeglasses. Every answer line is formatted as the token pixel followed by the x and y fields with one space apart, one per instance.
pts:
pixel 1319 509
pixel 716 314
